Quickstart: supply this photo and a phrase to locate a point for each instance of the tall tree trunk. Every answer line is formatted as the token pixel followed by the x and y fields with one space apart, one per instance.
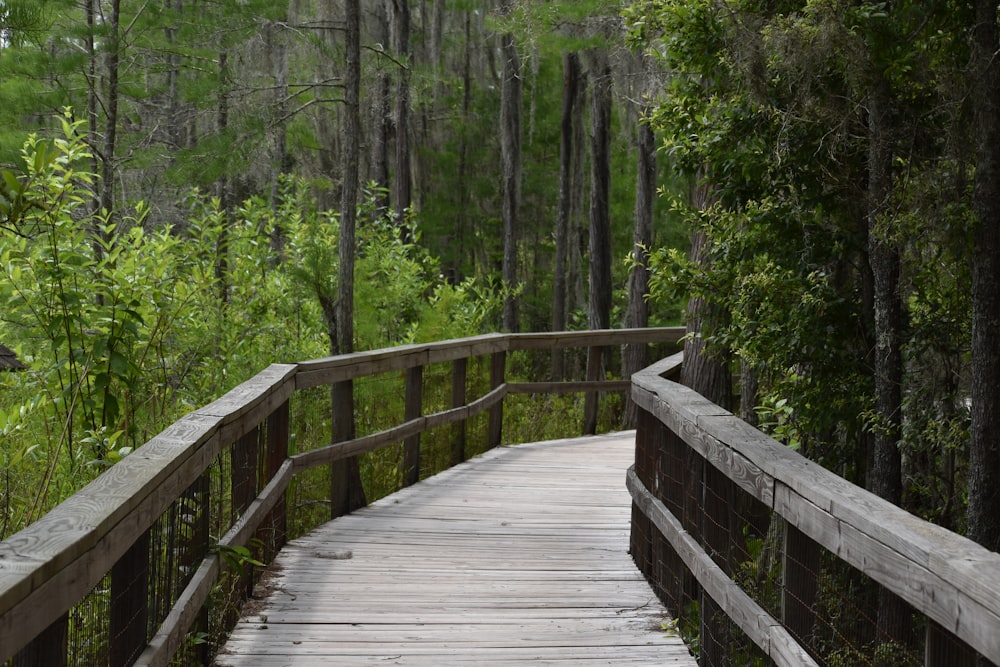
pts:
pixel 634 358
pixel 571 78
pixel 600 198
pixel 706 370
pixel 279 143
pixel 402 194
pixel 578 224
pixel 461 216
pixel 109 148
pixel 381 142
pixel 983 514
pixel 885 476
pixel 510 149
pixel 93 89
pixel 347 493
pixel 600 227
pixel 223 189
pixel 381 119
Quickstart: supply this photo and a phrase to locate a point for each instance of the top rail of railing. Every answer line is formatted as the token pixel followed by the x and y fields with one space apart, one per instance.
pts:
pixel 949 582
pixel 102 533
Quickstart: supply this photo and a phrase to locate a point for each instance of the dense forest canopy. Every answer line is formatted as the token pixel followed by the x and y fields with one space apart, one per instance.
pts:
pixel 828 206
pixel 843 158
pixel 193 190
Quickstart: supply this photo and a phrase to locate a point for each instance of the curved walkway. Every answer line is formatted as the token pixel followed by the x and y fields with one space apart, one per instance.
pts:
pixel 517 556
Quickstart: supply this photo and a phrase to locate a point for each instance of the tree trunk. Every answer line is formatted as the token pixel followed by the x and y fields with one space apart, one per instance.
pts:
pixel 223 189
pixel 510 150
pixel 600 191
pixel 347 491
pixel 705 370
pixel 637 316
pixel 885 476
pixel 381 118
pixel 279 72
pixel 107 202
pixel 93 88
pixel 577 220
pixel 600 228
pixel 571 78
pixel 983 514
pixel 402 195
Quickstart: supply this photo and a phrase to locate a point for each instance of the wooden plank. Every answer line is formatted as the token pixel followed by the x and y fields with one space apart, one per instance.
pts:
pixel 567 387
pixel 48 566
pixel 941 574
pixel 361 364
pixel 751 618
pixel 472 564
pixel 598 337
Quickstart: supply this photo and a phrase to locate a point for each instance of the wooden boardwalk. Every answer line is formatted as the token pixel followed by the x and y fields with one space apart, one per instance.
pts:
pixel 517 556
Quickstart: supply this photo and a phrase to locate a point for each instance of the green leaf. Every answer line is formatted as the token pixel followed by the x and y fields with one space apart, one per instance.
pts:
pixel 118 363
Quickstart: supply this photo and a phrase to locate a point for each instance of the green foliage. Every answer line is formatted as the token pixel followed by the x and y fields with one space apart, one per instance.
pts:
pixel 125 328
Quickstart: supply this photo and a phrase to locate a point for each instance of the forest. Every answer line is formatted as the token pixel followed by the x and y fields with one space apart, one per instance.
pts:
pixel 192 190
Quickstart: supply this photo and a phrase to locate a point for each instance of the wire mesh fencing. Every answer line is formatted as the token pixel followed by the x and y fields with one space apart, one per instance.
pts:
pixel 783 598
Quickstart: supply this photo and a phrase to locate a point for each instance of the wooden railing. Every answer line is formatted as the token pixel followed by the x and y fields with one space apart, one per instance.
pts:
pixel 767 558
pixel 140 551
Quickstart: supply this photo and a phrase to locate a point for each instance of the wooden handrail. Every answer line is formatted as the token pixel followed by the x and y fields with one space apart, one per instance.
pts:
pixel 49 566
pixel 948 578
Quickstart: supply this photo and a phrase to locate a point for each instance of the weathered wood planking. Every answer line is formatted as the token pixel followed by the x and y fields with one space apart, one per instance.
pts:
pixel 48 566
pixel 362 364
pixel 749 616
pixel 519 555
pixel 943 575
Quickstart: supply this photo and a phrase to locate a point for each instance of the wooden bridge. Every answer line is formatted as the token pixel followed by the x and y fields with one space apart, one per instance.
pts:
pixel 759 556
pixel 517 555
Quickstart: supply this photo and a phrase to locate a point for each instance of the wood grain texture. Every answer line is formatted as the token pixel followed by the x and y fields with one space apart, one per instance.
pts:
pixel 752 619
pixel 519 555
pixel 952 580
pixel 48 566
pixel 361 364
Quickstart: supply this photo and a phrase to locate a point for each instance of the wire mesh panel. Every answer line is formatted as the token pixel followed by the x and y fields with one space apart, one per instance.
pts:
pixel 161 551
pixel 745 566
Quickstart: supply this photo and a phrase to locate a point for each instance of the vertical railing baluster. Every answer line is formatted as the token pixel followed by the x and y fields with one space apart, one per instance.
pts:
pixel 498 371
pixel 412 410
pixel 129 602
pixel 49 648
pixel 244 490
pixel 595 362
pixel 459 377
pixel 943 649
pixel 201 532
pixel 800 581
pixel 274 530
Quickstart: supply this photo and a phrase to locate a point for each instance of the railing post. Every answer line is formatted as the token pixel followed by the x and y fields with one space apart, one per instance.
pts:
pixel 412 410
pixel 498 366
pixel 244 488
pixel 129 602
pixel 943 649
pixel 274 529
pixel 201 493
pixel 716 540
pixel 47 649
pixel 459 376
pixel 346 491
pixel 798 592
pixel 595 363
